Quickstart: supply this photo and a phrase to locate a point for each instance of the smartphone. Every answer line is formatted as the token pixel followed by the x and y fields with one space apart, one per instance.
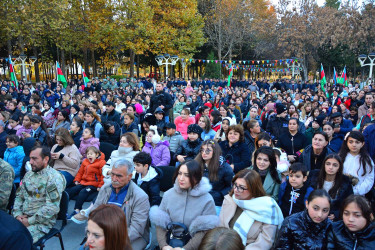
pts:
pixel 337 125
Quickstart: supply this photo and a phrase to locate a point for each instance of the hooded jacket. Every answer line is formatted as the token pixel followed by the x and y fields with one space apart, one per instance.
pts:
pixel 188 148
pixel 194 208
pixel 300 232
pixel 339 237
pixel 238 154
pixel 14 156
pixel 222 186
pixel 90 174
pixel 91 142
pixel 277 126
pixel 150 184
pixel 160 154
pixel 174 141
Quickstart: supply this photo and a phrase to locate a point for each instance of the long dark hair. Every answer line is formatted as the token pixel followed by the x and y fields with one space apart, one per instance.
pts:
pixel 363 205
pixel 214 165
pixel 364 156
pixel 273 163
pixel 338 178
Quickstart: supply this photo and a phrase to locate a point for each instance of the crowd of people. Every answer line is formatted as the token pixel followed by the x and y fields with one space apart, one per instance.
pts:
pixel 257 165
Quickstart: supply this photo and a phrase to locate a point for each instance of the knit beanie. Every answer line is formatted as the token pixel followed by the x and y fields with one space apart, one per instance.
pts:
pixel 280 108
pixel 156 137
pixel 319 119
pixel 75 106
pixel 194 128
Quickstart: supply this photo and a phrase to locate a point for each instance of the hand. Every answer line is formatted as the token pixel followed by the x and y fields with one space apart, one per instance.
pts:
pixel 26 135
pixel 167 248
pixel 20 217
pixel 331 217
pixel 77 183
pixel 55 156
pixel 161 106
pixel 98 189
pixel 336 130
pixel 232 166
pixel 181 158
pixel 25 222
pixel 292 158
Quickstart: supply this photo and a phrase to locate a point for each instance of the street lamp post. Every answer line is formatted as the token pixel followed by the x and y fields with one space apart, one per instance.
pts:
pixel 362 58
pixel 294 66
pixel 183 64
pixel 23 58
pixel 166 60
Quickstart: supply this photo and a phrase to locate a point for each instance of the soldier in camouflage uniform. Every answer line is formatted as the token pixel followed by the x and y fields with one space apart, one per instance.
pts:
pixel 6 183
pixel 38 197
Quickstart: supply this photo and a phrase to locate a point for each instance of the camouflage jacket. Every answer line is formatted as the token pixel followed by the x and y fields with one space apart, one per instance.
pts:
pixel 6 183
pixel 39 196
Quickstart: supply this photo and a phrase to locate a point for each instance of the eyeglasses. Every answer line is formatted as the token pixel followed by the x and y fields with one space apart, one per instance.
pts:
pixel 206 151
pixel 239 188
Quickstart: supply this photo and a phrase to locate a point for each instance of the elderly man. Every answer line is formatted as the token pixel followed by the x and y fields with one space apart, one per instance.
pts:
pixel 124 193
pixel 38 197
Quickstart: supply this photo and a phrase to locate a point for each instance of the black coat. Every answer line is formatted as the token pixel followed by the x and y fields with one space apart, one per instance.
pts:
pixel 291 144
pixel 158 99
pixel 277 126
pixel 306 157
pixel 189 149
pixel 238 155
pixel 3 146
pixel 77 138
pixel 250 142
pixel 152 187
pixel 344 191
pixel 222 186
pixel 111 138
pixel 114 116
pixel 339 237
pixel 298 231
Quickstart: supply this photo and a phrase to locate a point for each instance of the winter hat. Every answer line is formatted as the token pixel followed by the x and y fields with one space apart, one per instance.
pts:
pixel 337 114
pixel 94 102
pixel 319 119
pixel 4 89
pixel 156 138
pixel 280 108
pixel 283 164
pixel 138 108
pixel 208 104
pixel 158 110
pixel 194 128
pixel 75 106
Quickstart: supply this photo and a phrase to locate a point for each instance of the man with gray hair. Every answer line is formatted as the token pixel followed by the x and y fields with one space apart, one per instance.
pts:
pixel 124 193
pixel 3 138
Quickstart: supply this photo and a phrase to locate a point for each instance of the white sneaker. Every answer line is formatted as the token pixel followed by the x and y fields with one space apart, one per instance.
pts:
pixel 80 218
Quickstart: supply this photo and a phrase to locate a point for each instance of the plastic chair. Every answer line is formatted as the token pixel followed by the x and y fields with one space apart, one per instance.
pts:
pixel 166 181
pixel 54 232
pixel 12 198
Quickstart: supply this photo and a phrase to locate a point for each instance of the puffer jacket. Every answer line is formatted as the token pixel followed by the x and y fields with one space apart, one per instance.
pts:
pixel 222 186
pixel 160 154
pixel 339 237
pixel 188 148
pixel 305 156
pixel 150 184
pixel 90 174
pixel 14 156
pixel 238 154
pixel 91 142
pixel 298 231
pixel 174 141
pixel 345 190
pixel 277 126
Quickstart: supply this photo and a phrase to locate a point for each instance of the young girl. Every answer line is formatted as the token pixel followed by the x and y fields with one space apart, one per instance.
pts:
pixel 39 131
pixel 358 165
pixel 25 128
pixel 88 180
pixel 221 133
pixel 307 229
pixel 356 230
pixel 205 124
pixel 183 121
pixel 88 140
pixel 13 124
pixel 14 155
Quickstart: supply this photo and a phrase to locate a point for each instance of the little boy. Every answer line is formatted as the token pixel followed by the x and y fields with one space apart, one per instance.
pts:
pixel 147 177
pixel 294 193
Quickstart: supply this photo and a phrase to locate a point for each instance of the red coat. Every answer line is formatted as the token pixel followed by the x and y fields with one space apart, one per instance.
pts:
pixel 90 174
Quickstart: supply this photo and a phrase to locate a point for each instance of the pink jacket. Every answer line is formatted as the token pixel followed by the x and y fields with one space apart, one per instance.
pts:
pixel 92 142
pixel 181 126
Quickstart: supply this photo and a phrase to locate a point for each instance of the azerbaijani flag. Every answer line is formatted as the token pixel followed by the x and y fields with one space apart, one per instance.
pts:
pixel 60 75
pixel 323 80
pixel 85 78
pixel 13 77
pixel 334 77
pixel 344 79
pixel 230 75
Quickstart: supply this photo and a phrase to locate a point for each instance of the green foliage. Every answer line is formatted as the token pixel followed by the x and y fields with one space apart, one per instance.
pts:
pixel 212 70
pixel 333 4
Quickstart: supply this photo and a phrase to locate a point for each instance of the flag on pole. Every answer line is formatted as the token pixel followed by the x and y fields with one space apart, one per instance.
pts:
pixel 13 77
pixel 60 75
pixel 323 80
pixel 230 75
pixel 343 80
pixel 334 77
pixel 85 78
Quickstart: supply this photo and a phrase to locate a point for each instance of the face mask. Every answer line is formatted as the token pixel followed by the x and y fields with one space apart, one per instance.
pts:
pixel 124 150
